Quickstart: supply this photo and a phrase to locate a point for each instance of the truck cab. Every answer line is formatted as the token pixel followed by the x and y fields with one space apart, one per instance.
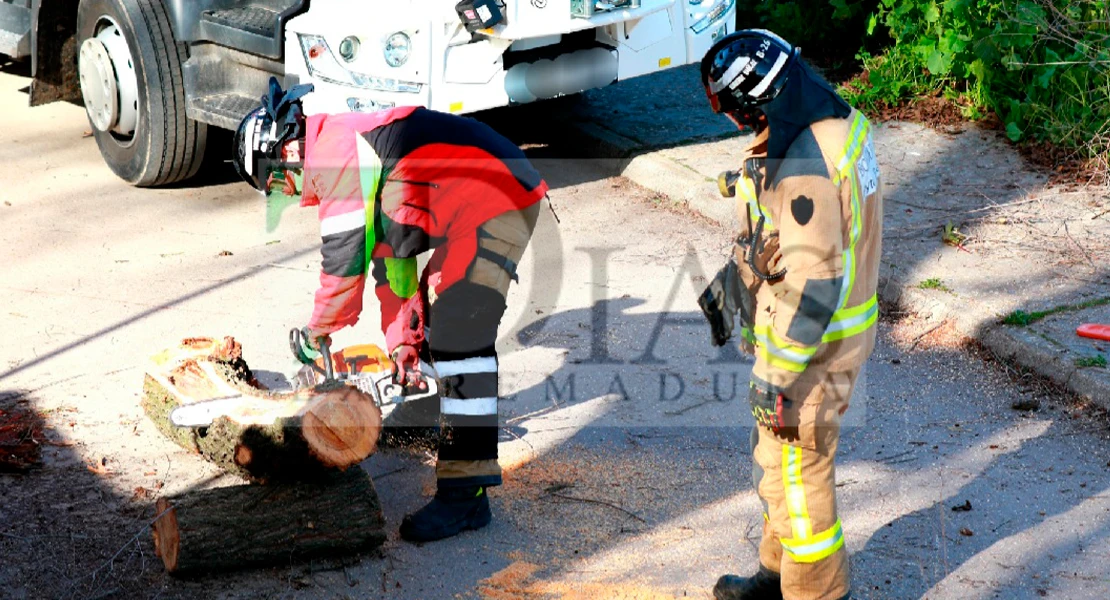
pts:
pixel 153 75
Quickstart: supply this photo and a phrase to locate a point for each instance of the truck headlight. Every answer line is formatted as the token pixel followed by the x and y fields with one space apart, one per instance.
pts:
pixel 397 48
pixel 322 64
pixel 716 11
pixel 348 48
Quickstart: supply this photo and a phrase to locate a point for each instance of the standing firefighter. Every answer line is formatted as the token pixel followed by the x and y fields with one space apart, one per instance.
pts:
pixel 391 185
pixel 808 256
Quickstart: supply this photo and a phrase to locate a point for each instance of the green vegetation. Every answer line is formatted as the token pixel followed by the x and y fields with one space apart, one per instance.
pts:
pixel 1022 318
pixel 1043 66
pixel 1091 361
pixel 934 284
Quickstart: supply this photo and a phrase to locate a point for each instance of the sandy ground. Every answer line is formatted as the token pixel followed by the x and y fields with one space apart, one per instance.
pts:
pixel 625 450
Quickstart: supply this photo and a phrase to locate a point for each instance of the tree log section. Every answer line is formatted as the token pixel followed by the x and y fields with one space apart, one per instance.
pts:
pixel 266 436
pixel 227 528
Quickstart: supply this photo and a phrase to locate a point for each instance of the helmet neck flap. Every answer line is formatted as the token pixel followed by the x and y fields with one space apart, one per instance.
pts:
pixel 805 99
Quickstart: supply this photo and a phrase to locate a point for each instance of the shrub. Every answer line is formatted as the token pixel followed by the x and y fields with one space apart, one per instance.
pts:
pixel 830 32
pixel 1043 66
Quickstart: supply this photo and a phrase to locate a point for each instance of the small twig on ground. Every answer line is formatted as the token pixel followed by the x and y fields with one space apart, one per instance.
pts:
pixel 538 413
pixel 388 473
pixel 920 206
pixel 111 561
pixel 921 336
pixel 531 448
pixel 287 267
pixel 748 536
pixel 1086 254
pixel 686 409
pixel 601 502
pixel 895 457
pixel 386 572
pixel 108 594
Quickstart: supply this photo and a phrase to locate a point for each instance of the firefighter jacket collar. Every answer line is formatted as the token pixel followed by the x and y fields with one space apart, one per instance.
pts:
pixel 806 99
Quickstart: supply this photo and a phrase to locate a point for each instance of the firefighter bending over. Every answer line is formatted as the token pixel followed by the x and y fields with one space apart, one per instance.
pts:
pixel 391 185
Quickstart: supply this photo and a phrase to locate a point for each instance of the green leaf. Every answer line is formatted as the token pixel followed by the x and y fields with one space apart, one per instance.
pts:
pixel 1045 78
pixel 932 12
pixel 1013 131
pixel 871 23
pixel 937 64
pixel 978 69
pixel 842 11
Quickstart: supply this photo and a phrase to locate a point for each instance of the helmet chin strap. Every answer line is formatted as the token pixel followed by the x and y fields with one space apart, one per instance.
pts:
pixel 752 118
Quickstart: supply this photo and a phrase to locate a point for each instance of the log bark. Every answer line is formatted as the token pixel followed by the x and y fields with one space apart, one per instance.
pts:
pixel 249 525
pixel 263 435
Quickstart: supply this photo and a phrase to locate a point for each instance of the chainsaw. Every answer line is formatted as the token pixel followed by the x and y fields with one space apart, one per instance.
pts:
pixel 363 366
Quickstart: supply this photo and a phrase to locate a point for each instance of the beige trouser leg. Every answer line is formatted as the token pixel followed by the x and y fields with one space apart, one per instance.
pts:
pixel 464 338
pixel 802 535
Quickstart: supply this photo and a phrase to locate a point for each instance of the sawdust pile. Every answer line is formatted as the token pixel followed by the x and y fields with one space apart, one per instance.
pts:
pixel 517 582
pixel 914 333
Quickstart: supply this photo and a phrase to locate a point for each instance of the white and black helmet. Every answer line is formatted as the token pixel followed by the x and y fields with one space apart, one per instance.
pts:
pixel 262 134
pixel 746 69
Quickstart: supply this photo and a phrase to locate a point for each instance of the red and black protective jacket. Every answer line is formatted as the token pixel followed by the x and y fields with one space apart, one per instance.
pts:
pixel 395 183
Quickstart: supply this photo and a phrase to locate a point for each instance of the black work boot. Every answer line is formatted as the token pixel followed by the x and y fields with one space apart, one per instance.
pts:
pixel 412 425
pixel 764 585
pixel 452 511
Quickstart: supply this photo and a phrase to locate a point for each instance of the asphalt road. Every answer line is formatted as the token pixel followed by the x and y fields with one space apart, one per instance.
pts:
pixel 625 434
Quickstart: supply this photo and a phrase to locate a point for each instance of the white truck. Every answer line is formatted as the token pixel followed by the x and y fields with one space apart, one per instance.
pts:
pixel 153 75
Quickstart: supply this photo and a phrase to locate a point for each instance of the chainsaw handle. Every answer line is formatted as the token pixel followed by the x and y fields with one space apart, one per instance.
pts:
pixel 296 341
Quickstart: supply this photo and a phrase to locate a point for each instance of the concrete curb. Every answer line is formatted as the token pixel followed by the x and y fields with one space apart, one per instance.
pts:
pixel 652 170
pixel 1015 345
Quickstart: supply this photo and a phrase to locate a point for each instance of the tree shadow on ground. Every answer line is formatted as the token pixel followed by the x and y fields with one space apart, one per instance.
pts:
pixel 963 496
pixel 67 530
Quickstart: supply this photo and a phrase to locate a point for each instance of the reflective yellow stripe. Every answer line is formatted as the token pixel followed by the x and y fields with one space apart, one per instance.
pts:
pixel 848 322
pixel 817 547
pixel 780 353
pixel 845 323
pixel 858 138
pixel 755 209
pixel 800 524
pixel 857 135
pixel 857 226
pixel 857 141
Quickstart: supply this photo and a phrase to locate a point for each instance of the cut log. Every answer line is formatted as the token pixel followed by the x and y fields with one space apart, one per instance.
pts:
pixel 249 525
pixel 259 434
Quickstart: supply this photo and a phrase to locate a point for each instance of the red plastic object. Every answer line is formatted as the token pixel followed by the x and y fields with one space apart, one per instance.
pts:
pixel 1094 331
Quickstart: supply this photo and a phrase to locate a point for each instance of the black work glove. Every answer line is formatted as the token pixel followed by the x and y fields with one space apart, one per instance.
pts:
pixel 774 411
pixel 722 299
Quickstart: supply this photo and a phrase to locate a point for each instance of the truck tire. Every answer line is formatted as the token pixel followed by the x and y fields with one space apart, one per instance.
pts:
pixel 131 82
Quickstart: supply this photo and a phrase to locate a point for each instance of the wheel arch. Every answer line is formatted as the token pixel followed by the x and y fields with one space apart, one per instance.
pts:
pixel 54 45
pixel 53 52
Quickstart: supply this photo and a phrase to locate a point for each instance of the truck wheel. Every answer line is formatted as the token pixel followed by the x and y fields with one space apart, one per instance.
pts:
pixel 130 70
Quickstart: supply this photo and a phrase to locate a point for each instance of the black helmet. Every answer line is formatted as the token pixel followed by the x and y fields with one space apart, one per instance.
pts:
pixel 262 134
pixel 746 69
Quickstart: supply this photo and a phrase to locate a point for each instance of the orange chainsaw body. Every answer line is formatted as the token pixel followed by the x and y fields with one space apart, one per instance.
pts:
pixel 365 358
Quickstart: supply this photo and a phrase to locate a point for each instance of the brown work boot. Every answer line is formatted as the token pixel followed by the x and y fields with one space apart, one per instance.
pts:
pixel 764 585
